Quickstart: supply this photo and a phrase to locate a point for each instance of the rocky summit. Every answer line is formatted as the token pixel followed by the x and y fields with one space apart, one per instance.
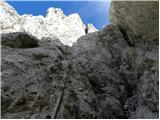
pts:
pixel 55 24
pixel 112 73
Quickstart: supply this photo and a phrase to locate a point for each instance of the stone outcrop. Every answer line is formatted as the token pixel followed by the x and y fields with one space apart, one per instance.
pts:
pixel 138 19
pixel 102 75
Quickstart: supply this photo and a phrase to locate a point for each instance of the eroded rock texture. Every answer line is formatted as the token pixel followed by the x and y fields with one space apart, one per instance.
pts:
pixel 32 79
pixel 138 19
pixel 101 76
pixel 19 40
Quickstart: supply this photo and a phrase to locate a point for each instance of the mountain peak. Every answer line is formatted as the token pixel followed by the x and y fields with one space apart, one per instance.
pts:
pixel 52 12
pixel 55 24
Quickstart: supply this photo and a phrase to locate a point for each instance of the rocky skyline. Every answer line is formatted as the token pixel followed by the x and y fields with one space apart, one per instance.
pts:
pixel 54 24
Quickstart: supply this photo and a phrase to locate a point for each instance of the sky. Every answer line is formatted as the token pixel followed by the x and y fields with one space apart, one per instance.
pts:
pixel 95 12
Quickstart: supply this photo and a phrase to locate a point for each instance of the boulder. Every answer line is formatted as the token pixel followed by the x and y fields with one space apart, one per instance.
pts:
pixel 137 19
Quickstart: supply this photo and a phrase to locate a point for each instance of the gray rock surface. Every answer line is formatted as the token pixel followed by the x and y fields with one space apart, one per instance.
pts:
pixel 101 76
pixel 29 89
pixel 138 19
pixel 19 40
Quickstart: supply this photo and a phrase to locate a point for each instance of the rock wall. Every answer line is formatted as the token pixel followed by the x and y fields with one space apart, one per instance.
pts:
pixel 138 19
pixel 102 75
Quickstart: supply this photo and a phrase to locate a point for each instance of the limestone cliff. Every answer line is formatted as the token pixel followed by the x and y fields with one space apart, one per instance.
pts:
pixel 55 24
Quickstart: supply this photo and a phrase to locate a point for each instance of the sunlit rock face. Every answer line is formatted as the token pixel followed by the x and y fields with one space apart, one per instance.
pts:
pixel 70 27
pixel 91 28
pixel 9 18
pixel 35 26
pixel 55 24
pixel 137 19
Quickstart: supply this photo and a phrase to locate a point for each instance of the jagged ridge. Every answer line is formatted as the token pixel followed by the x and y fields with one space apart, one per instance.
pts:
pixel 55 24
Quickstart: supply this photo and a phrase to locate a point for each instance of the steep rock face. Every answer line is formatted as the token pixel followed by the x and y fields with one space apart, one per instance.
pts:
pixel 124 78
pixel 54 25
pixel 70 27
pixel 136 19
pixel 28 90
pixel 138 22
pixel 73 83
pixel 101 76
pixel 98 56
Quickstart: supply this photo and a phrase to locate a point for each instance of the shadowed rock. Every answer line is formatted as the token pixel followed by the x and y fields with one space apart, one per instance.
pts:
pixel 18 40
pixel 137 19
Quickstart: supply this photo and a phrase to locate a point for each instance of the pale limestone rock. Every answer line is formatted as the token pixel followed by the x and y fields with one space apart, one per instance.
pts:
pixel 9 18
pixel 55 24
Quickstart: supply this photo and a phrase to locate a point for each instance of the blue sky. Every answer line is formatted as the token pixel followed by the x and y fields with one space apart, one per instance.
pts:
pixel 95 12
